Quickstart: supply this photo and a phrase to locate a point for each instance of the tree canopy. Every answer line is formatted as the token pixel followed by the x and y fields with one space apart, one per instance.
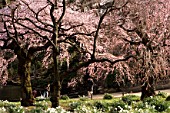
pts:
pixel 128 36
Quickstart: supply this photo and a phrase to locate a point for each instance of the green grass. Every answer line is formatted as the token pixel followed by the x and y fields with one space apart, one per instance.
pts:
pixel 129 103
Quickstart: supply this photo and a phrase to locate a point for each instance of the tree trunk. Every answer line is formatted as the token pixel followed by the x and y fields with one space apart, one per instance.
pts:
pixel 148 89
pixel 56 85
pixel 55 93
pixel 24 66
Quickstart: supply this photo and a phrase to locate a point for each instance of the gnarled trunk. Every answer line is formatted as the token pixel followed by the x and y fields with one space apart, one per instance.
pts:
pixel 56 85
pixel 55 93
pixel 24 66
pixel 148 89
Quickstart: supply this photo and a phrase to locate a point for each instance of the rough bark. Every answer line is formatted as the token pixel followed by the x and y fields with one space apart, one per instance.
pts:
pixel 24 68
pixel 56 85
pixel 148 89
pixel 55 93
pixel 26 89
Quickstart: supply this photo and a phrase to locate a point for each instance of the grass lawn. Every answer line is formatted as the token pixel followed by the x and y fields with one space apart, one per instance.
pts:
pixel 109 104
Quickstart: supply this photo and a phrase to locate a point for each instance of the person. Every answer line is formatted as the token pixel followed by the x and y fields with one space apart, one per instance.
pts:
pixel 90 84
pixel 47 90
pixel 34 92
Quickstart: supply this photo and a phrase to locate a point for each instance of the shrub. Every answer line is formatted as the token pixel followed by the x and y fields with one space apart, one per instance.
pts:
pixel 161 106
pixel 6 103
pixel 87 109
pixel 57 110
pixel 42 104
pixel 3 110
pixel 83 98
pixel 102 106
pixel 168 98
pixel 74 105
pixel 64 97
pixel 36 110
pixel 139 105
pixel 108 96
pixel 129 98
pixel 158 102
pixel 153 100
pixel 16 109
pixel 117 106
pixel 162 94
pixel 99 105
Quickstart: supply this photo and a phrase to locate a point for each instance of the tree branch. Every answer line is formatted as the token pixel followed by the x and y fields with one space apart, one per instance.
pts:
pixel 97 32
pixel 87 63
pixel 63 13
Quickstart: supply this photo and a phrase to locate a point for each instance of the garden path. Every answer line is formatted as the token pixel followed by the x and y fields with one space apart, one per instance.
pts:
pixel 119 94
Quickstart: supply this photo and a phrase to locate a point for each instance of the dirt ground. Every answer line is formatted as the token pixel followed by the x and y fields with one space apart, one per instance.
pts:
pixel 119 94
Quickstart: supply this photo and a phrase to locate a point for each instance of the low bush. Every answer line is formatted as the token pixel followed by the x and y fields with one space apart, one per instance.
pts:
pixel 16 109
pixel 118 105
pixel 158 102
pixel 87 109
pixel 74 105
pixel 42 104
pixel 130 98
pixel 161 106
pixel 102 106
pixel 7 104
pixel 36 110
pixel 64 97
pixel 83 98
pixel 162 94
pixel 153 100
pixel 168 98
pixel 108 96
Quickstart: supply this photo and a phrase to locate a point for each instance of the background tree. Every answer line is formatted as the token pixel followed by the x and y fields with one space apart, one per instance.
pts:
pixel 22 42
pixel 148 34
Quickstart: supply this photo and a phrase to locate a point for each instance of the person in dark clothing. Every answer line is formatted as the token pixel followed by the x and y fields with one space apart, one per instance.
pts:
pixel 34 92
pixel 47 90
pixel 89 83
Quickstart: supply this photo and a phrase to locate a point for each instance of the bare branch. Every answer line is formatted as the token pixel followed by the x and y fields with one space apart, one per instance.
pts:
pixel 132 42
pixel 32 22
pixel 63 13
pixel 32 50
pixel 87 63
pixel 72 27
pixel 97 32
pixel 9 36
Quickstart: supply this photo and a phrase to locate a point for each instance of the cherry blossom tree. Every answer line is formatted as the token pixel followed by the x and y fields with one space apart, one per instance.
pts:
pixel 31 26
pixel 22 42
pixel 145 34
pixel 86 36
pixel 146 27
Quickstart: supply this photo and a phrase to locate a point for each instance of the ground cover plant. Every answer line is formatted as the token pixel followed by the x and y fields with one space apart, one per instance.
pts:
pixel 125 104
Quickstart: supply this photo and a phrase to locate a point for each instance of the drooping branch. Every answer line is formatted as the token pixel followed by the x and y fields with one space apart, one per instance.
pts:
pixel 143 36
pixel 90 61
